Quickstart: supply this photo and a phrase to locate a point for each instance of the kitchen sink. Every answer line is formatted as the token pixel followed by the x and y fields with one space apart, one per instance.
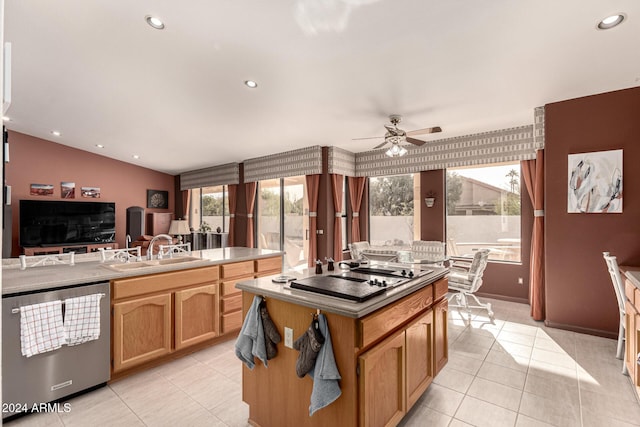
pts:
pixel 151 263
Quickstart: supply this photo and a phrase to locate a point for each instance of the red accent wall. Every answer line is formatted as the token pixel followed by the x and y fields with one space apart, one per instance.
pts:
pixel 37 161
pixel 579 292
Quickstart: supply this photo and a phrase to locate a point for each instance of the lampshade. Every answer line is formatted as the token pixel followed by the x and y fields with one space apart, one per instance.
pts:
pixel 179 227
pixel 396 150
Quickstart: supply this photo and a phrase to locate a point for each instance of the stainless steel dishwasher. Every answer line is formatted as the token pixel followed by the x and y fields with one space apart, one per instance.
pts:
pixel 56 374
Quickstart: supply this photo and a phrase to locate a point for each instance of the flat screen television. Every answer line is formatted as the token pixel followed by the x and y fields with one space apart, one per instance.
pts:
pixel 59 223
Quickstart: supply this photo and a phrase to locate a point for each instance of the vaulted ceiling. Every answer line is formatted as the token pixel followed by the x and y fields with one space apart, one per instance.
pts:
pixel 328 71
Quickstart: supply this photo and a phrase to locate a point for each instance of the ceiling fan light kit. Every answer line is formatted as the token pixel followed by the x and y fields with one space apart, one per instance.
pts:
pixel 395 136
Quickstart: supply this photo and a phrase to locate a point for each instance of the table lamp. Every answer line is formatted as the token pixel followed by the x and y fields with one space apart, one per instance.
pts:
pixel 179 227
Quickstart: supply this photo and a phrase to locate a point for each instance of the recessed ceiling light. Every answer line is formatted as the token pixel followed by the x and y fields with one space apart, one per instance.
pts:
pixel 154 22
pixel 611 21
pixel 251 84
pixel 135 156
pixel 6 119
pixel 99 145
pixel 55 133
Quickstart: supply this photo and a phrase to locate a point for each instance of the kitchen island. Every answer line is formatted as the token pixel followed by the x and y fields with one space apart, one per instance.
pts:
pixel 387 349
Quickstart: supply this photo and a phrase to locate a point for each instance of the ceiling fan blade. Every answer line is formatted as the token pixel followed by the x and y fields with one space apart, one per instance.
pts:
pixel 415 141
pixel 425 131
pixel 380 145
pixel 370 137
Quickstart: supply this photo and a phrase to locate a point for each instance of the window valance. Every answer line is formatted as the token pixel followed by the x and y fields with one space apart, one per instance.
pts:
pixel 208 177
pixel 341 162
pixel 306 161
pixel 504 145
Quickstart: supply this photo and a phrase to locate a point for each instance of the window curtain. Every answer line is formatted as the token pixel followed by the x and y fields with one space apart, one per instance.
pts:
pixel 533 173
pixel 313 184
pixel 337 181
pixel 233 191
pixel 186 194
pixel 356 190
pixel 250 193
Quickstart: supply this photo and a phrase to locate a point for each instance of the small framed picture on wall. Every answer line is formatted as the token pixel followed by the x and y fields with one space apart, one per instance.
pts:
pixel 158 199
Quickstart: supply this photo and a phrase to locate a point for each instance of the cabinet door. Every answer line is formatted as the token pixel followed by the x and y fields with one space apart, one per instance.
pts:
pixel 197 317
pixel 141 330
pixel 636 353
pixel 630 341
pixel 419 342
pixel 382 389
pixel 441 344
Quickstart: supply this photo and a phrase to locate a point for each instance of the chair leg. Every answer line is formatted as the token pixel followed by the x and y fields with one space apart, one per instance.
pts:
pixel 486 306
pixel 620 350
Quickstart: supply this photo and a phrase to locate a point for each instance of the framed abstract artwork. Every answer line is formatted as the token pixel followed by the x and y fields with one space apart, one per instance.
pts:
pixel 158 199
pixel 595 182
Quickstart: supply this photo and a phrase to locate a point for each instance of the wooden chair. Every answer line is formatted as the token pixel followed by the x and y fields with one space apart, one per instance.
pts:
pixel 465 279
pixel 618 287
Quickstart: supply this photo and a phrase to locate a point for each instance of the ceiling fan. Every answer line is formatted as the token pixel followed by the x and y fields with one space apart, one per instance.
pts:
pixel 395 136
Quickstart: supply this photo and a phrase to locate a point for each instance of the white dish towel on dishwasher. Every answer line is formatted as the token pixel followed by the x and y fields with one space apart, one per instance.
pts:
pixel 41 328
pixel 82 319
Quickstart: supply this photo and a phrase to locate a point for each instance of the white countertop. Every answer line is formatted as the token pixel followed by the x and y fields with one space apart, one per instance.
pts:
pixel 265 287
pixel 88 269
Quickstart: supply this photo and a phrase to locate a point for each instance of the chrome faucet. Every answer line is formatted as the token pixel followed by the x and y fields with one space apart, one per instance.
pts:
pixel 153 241
pixel 127 241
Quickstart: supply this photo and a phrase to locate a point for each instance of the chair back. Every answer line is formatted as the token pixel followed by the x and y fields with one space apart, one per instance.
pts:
pixel 478 265
pixel 430 251
pixel 614 272
pixel 356 249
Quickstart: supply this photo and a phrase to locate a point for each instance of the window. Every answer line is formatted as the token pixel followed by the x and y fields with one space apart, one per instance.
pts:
pixel 394 219
pixel 282 204
pixel 209 207
pixel 483 211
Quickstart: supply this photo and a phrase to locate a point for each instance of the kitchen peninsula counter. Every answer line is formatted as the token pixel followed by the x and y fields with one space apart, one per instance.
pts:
pixel 88 269
pixel 387 349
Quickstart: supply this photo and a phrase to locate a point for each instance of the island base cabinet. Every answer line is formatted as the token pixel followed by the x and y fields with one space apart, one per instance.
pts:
pixel 440 344
pixel 197 317
pixel 141 330
pixel 419 357
pixel 382 383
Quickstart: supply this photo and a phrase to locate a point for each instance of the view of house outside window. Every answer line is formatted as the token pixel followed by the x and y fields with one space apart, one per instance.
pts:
pixel 483 211
pixel 393 215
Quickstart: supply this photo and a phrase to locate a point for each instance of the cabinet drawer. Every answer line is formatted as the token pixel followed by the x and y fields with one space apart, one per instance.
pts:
pixel 229 288
pixel 231 303
pixel 244 268
pixel 376 325
pixel 124 288
pixel 268 264
pixel 629 291
pixel 440 288
pixel 231 321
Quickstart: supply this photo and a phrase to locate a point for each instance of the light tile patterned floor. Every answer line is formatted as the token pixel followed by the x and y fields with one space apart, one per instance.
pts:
pixel 512 372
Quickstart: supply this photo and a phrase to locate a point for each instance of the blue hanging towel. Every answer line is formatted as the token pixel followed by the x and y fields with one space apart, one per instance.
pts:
pixel 325 375
pixel 251 341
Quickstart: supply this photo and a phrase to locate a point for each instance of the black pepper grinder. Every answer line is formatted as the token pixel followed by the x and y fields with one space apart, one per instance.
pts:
pixel 329 263
pixel 318 266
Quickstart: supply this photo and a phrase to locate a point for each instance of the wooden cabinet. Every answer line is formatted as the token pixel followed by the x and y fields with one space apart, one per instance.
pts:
pixel 158 314
pixel 440 342
pixel 382 383
pixel 419 342
pixel 231 298
pixel 158 223
pixel 632 333
pixel 196 315
pixel 141 330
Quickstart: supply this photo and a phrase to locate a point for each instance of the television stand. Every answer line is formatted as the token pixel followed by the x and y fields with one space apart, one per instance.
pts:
pixel 78 249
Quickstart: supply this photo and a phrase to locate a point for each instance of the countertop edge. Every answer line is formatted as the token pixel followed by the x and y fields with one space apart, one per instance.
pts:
pixel 16 281
pixel 263 286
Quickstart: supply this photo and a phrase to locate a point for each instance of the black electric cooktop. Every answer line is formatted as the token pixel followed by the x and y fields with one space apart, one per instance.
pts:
pixel 358 284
